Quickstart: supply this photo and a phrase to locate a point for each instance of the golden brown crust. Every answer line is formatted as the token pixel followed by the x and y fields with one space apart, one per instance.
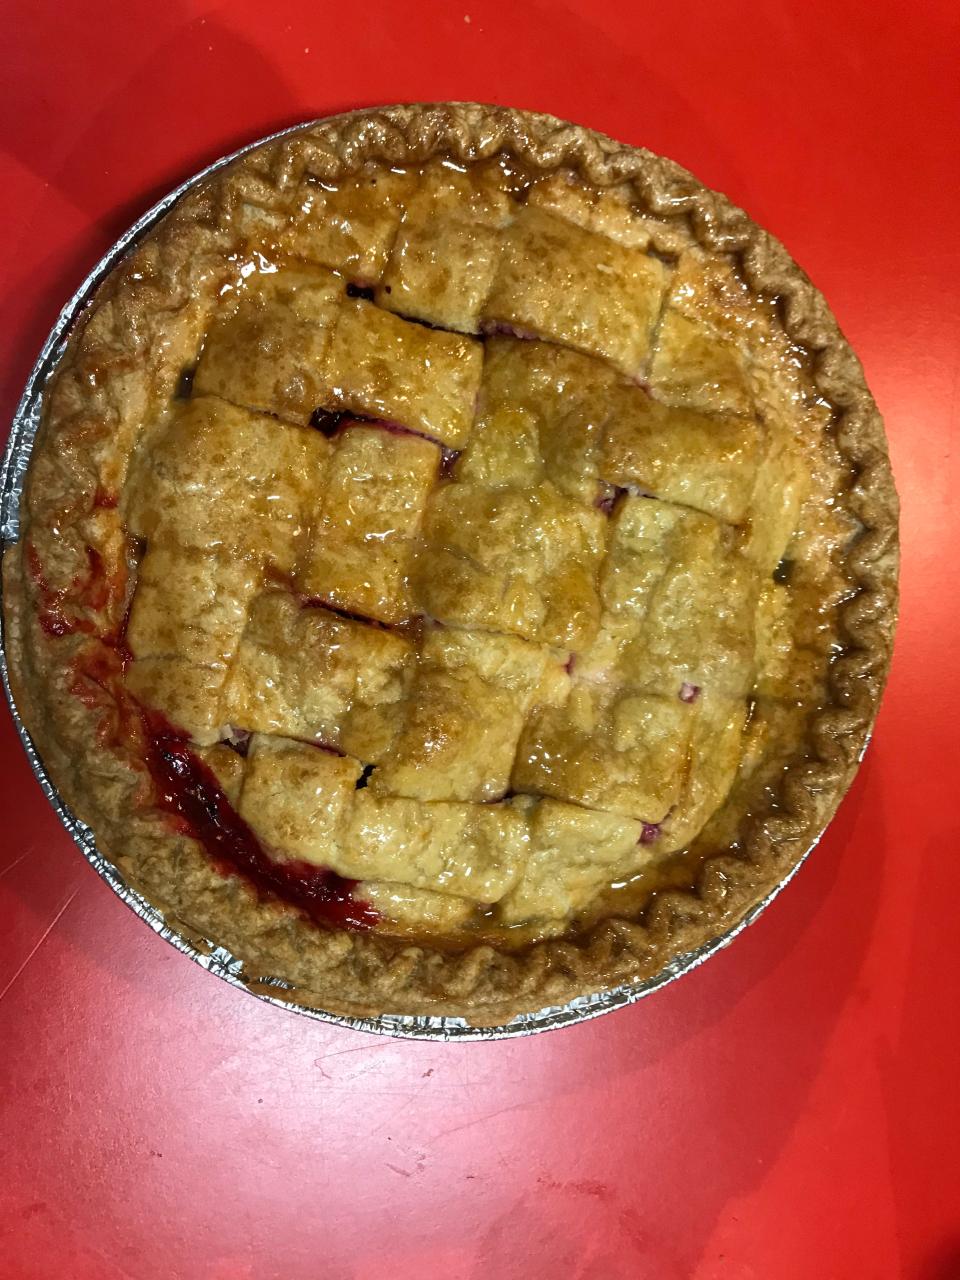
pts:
pixel 146 324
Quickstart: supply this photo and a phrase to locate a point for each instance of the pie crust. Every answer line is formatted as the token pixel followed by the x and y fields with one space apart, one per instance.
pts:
pixel 595 375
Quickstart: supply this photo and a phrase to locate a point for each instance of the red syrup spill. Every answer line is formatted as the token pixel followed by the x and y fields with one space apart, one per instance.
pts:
pixel 186 788
pixel 188 791
pixel 93 591
pixel 50 615
pixel 98 680
pixel 96 591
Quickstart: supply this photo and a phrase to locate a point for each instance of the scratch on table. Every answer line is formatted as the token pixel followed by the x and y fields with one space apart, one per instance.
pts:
pixel 395 1115
pixel 15 863
pixel 39 943
pixel 490 1115
pixel 372 1047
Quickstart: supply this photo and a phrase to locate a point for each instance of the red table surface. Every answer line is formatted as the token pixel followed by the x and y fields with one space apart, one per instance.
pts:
pixel 789 1110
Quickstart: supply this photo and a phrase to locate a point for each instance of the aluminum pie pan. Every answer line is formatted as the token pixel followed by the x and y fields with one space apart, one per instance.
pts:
pixel 215 959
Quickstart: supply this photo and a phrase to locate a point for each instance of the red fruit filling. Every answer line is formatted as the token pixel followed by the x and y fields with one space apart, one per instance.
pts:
pixel 187 790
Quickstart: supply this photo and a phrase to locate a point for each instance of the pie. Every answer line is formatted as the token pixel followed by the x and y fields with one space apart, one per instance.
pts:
pixel 458 564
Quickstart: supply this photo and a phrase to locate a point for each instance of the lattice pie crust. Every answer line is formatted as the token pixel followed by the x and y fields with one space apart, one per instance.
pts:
pixel 458 565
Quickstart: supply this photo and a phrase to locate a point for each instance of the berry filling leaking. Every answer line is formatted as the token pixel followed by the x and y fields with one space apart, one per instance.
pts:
pixel 607 496
pixel 188 791
pixel 237 740
pixel 495 328
pixel 689 692
pixel 448 460
pixel 321 602
pixel 329 423
pixel 91 591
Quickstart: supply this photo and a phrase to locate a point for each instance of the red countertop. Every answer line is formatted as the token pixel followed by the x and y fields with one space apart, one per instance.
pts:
pixel 791 1109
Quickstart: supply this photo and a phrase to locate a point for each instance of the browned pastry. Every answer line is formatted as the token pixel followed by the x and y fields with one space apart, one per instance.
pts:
pixel 458 567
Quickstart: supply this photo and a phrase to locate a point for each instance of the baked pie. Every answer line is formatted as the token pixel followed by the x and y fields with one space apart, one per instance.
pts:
pixel 458 564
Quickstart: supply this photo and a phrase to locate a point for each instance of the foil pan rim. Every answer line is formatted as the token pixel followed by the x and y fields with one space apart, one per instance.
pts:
pixel 217 960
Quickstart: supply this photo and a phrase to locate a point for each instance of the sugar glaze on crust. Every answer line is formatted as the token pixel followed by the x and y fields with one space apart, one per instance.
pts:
pixel 68 585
